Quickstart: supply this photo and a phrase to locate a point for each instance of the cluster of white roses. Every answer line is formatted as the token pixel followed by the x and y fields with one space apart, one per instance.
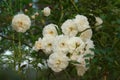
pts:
pixel 69 46
pixel 22 22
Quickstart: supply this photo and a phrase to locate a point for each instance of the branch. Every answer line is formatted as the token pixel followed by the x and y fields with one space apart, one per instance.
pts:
pixel 15 40
pixel 83 31
pixel 86 30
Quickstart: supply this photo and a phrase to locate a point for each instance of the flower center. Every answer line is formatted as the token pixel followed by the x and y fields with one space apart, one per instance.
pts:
pixel 77 44
pixel 20 23
pixel 63 44
pixel 39 45
pixel 58 62
pixel 71 28
pixel 49 44
pixel 51 32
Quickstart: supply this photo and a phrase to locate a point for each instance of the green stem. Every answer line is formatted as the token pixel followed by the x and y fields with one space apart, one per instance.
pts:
pixel 14 58
pixel 19 52
pixel 73 3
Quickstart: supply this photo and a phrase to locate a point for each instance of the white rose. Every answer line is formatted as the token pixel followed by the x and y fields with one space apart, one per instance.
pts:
pixel 99 21
pixel 38 45
pixel 58 62
pixel 50 30
pixel 69 28
pixel 81 68
pixel 89 45
pixel 86 35
pixel 21 23
pixel 74 56
pixel 60 44
pixel 46 11
pixel 76 45
pixel 33 16
pixel 81 22
pixel 48 44
pixel 81 60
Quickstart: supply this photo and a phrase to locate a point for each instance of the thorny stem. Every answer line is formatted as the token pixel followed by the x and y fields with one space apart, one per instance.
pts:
pixel 17 41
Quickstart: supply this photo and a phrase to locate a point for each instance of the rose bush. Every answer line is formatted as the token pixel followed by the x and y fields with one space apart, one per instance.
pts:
pixel 59 40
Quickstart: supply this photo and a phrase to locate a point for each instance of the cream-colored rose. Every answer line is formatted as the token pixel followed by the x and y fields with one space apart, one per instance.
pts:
pixel 38 45
pixel 69 28
pixel 99 21
pixel 81 22
pixel 36 14
pixel 60 44
pixel 33 16
pixel 81 67
pixel 48 44
pixel 81 70
pixel 50 30
pixel 76 45
pixel 21 23
pixel 58 61
pixel 86 35
pixel 74 56
pixel 46 11
pixel 89 45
